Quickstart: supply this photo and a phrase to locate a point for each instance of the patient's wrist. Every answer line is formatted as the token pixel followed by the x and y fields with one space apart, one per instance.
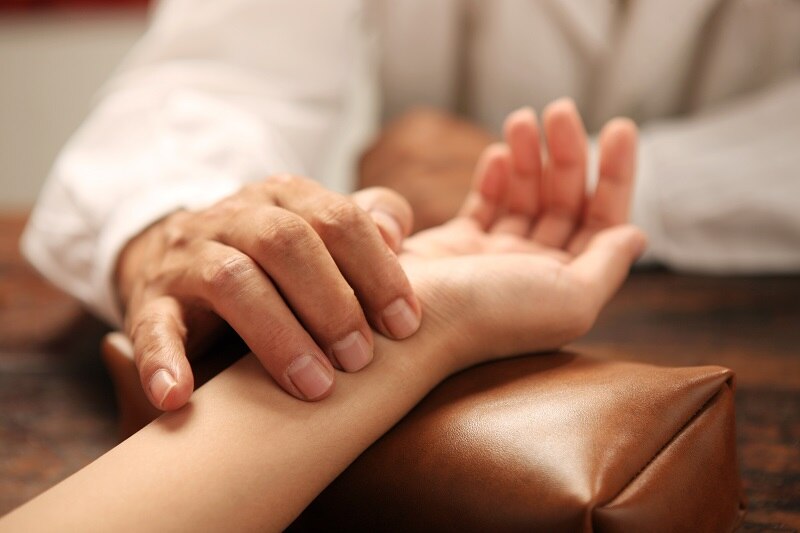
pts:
pixel 449 318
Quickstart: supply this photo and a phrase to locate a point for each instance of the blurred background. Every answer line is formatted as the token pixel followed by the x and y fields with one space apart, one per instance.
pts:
pixel 54 56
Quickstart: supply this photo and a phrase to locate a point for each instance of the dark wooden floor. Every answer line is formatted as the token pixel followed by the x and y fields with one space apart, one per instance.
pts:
pixel 57 409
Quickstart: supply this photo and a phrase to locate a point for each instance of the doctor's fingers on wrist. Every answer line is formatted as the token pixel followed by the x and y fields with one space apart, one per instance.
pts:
pixel 390 211
pixel 157 330
pixel 251 221
pixel 236 288
pixel 284 247
pixel 359 251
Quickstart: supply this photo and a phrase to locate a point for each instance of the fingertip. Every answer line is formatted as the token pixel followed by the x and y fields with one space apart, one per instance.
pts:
pixel 402 318
pixel 352 353
pixel 619 133
pixel 489 185
pixel 522 118
pixel 170 386
pixel 565 104
pixel 160 388
pixel 564 130
pixel 494 173
pixel 311 378
pixel 389 228
pixel 624 124
pixel 521 131
pixel 391 212
pixel 178 397
pixel 638 242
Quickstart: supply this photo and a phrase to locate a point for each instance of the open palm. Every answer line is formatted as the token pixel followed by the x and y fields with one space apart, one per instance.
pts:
pixel 531 259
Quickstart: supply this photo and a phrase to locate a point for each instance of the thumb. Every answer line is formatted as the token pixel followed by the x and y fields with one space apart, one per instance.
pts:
pixel 608 257
pixel 391 213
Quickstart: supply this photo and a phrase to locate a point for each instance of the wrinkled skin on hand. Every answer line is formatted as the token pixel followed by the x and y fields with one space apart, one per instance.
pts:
pixel 300 273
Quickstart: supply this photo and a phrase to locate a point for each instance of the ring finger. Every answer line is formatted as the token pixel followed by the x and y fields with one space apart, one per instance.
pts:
pixel 236 288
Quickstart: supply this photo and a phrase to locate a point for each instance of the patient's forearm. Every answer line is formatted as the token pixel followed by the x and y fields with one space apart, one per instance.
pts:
pixel 243 455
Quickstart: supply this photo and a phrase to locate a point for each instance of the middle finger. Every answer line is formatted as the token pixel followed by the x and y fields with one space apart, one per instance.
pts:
pixel 524 192
pixel 564 175
pixel 360 252
pixel 296 260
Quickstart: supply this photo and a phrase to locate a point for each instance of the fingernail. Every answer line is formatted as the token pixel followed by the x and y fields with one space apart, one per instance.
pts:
pixel 160 386
pixel 389 227
pixel 352 352
pixel 400 319
pixel 309 376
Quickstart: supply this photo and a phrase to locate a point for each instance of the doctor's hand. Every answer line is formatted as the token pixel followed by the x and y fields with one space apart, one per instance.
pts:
pixel 299 272
pixel 532 258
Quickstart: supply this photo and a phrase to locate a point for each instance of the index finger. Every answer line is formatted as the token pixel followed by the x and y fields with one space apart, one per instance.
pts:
pixel 354 242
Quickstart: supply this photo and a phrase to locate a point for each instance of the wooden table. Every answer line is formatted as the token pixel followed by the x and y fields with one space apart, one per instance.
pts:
pixel 57 408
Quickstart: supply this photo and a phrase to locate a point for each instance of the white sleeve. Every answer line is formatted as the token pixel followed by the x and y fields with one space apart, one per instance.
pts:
pixel 720 192
pixel 216 93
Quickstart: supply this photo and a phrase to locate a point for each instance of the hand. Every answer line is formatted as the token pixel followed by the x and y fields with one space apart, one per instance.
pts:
pixel 531 259
pixel 300 273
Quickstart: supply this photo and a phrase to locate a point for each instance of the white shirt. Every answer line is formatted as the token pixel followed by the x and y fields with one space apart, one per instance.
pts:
pixel 219 93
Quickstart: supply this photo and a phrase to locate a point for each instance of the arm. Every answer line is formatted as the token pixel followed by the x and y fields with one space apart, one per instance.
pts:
pixel 245 456
pixel 147 220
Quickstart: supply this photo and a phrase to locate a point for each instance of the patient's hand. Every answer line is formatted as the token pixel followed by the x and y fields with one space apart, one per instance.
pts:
pixel 531 259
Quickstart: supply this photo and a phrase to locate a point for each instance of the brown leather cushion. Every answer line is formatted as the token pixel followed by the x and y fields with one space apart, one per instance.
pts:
pixel 556 443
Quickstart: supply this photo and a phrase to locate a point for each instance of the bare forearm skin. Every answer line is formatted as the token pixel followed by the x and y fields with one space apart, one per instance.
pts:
pixel 243 455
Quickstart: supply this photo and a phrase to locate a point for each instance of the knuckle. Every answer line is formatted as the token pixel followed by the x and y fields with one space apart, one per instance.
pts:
pixel 278 352
pixel 142 327
pixel 147 340
pixel 176 237
pixel 211 221
pixel 346 319
pixel 339 219
pixel 225 275
pixel 176 230
pixel 150 355
pixel 283 232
